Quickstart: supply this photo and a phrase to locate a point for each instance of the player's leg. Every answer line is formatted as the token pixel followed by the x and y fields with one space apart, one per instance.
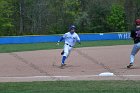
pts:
pixel 65 54
pixel 134 51
pixel 69 51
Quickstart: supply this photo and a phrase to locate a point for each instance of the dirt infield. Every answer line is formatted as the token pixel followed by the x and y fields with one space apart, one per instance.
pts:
pixel 82 64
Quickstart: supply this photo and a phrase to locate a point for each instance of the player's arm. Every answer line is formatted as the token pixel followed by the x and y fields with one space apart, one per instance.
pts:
pixel 62 38
pixel 78 39
pixel 132 35
pixel 59 41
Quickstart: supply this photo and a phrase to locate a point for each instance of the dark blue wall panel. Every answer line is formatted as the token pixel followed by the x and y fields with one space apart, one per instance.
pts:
pixel 55 38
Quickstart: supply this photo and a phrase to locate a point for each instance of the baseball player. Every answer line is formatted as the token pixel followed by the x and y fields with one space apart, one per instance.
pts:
pixel 70 38
pixel 135 34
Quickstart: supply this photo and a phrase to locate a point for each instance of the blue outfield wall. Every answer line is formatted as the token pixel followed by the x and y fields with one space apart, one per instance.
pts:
pixel 55 38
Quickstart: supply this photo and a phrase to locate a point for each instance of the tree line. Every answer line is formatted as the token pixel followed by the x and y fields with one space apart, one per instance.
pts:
pixel 43 17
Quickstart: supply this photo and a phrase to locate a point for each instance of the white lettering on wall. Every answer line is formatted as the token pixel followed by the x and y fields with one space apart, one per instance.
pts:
pixel 124 36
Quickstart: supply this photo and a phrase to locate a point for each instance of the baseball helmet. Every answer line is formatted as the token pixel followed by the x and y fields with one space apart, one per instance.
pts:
pixel 137 21
pixel 72 27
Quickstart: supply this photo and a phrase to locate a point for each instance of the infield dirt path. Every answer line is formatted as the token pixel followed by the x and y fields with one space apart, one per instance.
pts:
pixel 83 64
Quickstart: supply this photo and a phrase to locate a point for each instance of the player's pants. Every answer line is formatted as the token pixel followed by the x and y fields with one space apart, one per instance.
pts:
pixel 67 50
pixel 134 51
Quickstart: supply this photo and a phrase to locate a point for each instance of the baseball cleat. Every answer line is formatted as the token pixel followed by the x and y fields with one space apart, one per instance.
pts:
pixel 63 65
pixel 130 65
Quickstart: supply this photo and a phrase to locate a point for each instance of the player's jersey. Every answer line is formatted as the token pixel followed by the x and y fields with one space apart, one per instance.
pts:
pixel 135 34
pixel 71 39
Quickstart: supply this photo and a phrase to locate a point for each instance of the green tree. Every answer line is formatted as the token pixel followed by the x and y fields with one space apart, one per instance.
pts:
pixel 97 11
pixel 116 18
pixel 6 22
pixel 23 17
pixel 63 13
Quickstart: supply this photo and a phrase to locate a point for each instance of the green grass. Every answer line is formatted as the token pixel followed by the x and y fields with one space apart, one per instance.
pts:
pixel 72 87
pixel 45 46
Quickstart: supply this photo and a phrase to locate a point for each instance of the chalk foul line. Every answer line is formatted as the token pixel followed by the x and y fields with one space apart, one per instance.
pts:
pixel 70 76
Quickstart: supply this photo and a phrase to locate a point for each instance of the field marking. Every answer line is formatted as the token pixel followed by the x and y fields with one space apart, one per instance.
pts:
pixel 70 76
pixel 63 78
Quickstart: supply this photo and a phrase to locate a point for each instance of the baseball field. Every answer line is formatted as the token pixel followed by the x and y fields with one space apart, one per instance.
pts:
pixel 35 68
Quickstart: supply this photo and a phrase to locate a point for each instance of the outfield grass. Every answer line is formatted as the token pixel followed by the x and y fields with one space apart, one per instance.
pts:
pixel 72 87
pixel 45 46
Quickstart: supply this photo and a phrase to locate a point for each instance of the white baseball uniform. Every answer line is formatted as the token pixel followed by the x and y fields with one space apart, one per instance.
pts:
pixel 70 40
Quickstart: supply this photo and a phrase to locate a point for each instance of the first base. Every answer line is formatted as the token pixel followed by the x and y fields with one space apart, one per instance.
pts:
pixel 106 74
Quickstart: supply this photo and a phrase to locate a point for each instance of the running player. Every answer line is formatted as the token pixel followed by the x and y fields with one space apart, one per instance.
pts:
pixel 70 39
pixel 135 34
